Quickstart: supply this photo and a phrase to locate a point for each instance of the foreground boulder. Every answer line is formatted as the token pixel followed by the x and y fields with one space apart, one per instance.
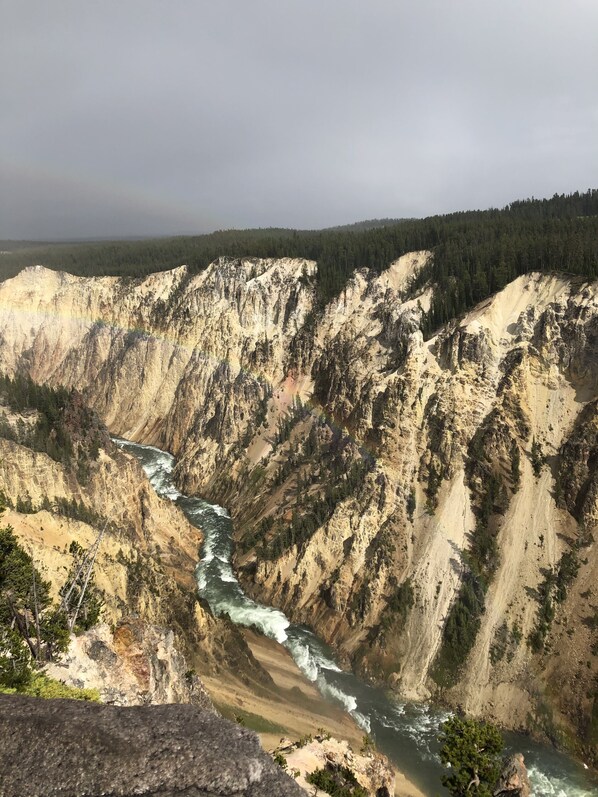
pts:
pixel 71 748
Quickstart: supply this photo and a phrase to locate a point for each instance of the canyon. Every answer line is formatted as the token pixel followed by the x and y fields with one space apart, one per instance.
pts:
pixel 411 499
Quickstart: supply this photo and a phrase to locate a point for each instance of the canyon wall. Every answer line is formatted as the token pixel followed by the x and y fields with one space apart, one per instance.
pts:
pixel 155 633
pixel 429 506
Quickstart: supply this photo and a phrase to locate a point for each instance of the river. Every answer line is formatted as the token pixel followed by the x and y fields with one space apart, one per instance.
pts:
pixel 405 732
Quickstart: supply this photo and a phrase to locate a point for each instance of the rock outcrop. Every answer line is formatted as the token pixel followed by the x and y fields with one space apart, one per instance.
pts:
pixel 428 505
pixel 90 750
pixel 513 781
pixel 130 664
pixel 368 769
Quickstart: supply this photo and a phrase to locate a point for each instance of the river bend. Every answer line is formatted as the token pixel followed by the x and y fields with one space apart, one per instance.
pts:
pixel 405 732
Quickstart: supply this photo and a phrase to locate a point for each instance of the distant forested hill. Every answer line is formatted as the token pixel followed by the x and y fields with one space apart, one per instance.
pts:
pixel 475 252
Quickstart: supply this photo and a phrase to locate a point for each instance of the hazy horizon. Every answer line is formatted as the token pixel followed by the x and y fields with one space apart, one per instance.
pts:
pixel 186 234
pixel 145 120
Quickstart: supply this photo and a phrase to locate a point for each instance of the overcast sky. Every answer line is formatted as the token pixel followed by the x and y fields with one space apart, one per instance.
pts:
pixel 135 117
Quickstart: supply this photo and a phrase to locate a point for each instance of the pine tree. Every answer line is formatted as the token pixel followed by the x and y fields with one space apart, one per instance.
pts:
pixel 473 751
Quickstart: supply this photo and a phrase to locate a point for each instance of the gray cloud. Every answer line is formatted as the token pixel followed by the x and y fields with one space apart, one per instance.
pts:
pixel 150 116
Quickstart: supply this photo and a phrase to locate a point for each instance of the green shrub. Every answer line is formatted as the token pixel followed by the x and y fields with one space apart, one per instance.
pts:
pixel 537 458
pixel 338 782
pixel 280 760
pixel 40 685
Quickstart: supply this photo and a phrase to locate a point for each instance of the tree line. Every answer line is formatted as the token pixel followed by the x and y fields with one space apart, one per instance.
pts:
pixel 475 252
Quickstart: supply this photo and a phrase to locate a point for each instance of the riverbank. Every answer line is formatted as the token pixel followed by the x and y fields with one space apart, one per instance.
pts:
pixel 290 706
